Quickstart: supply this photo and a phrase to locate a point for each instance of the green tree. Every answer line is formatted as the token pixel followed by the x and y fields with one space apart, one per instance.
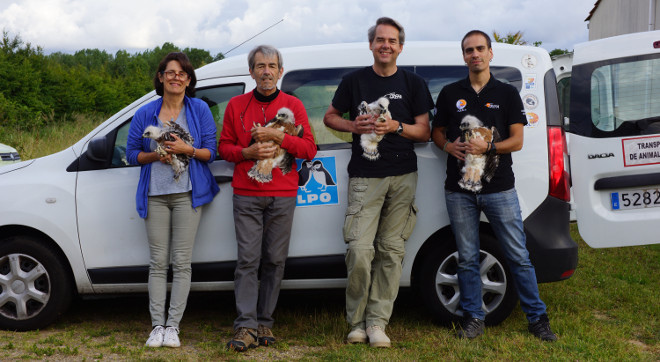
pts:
pixel 513 38
pixel 559 52
pixel 510 38
pixel 198 57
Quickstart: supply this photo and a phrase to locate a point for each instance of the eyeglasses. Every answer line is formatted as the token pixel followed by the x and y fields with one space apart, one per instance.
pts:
pixel 171 74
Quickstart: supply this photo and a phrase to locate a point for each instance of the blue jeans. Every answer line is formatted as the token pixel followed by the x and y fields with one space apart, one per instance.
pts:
pixel 503 213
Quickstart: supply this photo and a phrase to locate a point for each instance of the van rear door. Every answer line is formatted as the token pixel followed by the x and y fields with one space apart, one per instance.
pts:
pixel 615 139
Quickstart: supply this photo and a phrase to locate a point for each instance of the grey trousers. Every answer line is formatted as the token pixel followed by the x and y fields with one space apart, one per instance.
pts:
pixel 263 229
pixel 171 229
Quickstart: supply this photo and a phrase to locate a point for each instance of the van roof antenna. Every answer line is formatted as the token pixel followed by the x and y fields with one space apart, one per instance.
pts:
pixel 263 31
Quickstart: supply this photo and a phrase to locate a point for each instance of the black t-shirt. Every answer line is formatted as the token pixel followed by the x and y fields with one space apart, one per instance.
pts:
pixel 409 97
pixel 499 105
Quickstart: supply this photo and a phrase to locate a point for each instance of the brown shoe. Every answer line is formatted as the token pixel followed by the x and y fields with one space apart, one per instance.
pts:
pixel 244 339
pixel 265 336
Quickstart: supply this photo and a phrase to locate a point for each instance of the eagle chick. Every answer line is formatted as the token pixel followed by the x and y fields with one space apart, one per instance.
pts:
pixel 369 141
pixel 262 170
pixel 477 167
pixel 179 162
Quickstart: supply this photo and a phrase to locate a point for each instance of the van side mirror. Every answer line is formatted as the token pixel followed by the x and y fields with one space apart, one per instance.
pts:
pixel 98 155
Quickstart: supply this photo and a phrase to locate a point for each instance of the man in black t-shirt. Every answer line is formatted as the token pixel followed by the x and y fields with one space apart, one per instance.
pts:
pixel 499 105
pixel 381 193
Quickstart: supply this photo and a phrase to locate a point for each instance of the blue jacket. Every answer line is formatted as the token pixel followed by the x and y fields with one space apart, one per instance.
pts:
pixel 201 126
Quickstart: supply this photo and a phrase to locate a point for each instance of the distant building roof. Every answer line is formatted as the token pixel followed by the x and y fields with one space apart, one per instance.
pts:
pixel 591 13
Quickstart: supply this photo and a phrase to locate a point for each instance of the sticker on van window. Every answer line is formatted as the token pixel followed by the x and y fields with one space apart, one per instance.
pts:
pixel 530 81
pixel 532 119
pixel 640 151
pixel 530 101
pixel 317 182
pixel 529 61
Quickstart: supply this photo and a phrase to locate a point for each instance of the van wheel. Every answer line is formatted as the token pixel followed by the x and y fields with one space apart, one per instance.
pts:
pixel 439 283
pixel 35 284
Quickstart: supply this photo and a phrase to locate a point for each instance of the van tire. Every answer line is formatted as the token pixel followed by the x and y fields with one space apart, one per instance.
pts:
pixel 42 287
pixel 438 283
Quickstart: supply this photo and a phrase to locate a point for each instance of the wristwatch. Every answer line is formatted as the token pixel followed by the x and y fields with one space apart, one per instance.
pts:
pixel 400 129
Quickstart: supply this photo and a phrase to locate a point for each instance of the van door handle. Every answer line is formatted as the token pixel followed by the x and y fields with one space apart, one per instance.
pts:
pixel 628 181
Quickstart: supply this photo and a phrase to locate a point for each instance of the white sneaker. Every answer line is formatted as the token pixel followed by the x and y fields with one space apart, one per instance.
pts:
pixel 156 337
pixel 171 338
pixel 357 335
pixel 377 337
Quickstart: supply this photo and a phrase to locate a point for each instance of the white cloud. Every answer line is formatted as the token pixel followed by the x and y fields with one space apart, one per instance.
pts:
pixel 219 25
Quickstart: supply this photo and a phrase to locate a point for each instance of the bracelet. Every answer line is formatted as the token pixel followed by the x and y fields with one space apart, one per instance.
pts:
pixel 489 145
pixel 492 148
pixel 194 150
pixel 445 146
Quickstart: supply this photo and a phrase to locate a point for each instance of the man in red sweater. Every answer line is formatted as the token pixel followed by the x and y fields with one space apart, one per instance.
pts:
pixel 263 211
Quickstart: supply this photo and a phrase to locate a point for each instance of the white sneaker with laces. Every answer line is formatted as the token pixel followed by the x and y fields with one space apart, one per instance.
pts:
pixel 377 337
pixel 357 335
pixel 156 337
pixel 171 338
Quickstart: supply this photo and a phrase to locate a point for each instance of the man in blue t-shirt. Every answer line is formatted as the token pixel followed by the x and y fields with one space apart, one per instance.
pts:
pixel 496 105
pixel 381 191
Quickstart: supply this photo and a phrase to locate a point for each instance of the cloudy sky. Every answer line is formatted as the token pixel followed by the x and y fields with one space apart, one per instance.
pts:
pixel 221 25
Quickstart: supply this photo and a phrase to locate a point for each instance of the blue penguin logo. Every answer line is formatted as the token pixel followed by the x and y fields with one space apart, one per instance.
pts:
pixel 317 182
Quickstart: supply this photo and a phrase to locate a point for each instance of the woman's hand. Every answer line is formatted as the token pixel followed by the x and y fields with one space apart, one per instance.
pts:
pixel 177 146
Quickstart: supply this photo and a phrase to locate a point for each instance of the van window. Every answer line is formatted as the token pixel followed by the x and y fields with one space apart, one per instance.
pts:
pixel 316 87
pixel 437 77
pixel 564 94
pixel 217 99
pixel 119 151
pixel 616 98
pixel 625 92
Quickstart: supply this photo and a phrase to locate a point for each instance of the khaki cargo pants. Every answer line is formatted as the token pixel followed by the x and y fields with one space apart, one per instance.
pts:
pixel 380 217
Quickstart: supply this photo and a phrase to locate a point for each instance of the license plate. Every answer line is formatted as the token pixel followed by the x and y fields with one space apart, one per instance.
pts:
pixel 635 199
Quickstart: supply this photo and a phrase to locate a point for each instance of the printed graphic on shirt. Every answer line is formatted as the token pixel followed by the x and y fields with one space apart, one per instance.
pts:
pixel 460 105
pixel 317 182
pixel 492 105
pixel 393 95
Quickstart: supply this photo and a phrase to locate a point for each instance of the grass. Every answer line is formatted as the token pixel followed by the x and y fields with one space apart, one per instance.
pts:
pixel 609 310
pixel 52 138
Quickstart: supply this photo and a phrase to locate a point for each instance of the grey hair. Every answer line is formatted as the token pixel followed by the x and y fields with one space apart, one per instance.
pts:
pixel 267 51
pixel 371 34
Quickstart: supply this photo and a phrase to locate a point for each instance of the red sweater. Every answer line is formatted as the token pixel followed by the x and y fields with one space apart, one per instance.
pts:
pixel 236 136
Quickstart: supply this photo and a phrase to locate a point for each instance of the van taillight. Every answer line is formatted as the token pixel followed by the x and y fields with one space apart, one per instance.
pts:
pixel 559 178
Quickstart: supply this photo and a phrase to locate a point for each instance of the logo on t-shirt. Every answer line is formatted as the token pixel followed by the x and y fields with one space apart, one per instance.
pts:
pixel 492 106
pixel 393 96
pixel 460 105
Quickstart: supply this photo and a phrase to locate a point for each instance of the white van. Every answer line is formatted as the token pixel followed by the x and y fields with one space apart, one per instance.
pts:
pixel 68 220
pixel 615 139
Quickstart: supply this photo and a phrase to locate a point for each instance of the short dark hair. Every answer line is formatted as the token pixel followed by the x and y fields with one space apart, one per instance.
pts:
pixel 371 33
pixel 185 64
pixel 267 51
pixel 475 32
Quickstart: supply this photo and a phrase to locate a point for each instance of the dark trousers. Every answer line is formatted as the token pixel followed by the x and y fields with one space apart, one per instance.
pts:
pixel 263 229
